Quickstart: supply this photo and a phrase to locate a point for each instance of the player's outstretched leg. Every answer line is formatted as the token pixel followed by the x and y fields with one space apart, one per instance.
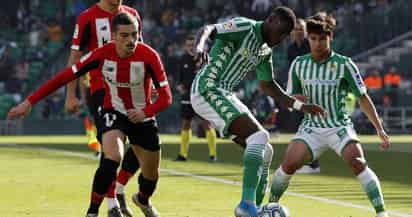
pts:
pixel 296 155
pixel 256 140
pixel 103 178
pixel 353 156
pixel 262 185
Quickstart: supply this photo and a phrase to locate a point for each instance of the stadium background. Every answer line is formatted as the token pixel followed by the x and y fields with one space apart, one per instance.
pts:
pixel 35 37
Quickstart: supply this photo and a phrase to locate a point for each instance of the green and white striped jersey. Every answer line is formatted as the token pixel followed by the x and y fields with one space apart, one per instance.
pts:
pixel 238 49
pixel 327 84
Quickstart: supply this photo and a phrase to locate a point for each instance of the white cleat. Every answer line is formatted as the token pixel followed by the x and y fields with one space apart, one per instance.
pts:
pixel 239 212
pixel 305 169
pixel 148 210
pixel 382 214
pixel 91 215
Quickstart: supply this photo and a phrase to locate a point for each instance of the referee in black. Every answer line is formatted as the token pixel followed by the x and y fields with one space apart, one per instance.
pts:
pixel 187 70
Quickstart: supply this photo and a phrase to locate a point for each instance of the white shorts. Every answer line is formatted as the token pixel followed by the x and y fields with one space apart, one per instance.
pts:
pixel 220 108
pixel 320 139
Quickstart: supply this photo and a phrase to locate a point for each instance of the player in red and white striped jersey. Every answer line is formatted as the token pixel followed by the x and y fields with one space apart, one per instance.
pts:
pixel 93 30
pixel 127 69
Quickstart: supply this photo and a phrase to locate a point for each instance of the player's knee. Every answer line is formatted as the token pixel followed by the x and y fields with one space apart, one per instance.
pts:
pixel 130 163
pixel 254 154
pixel 358 165
pixel 147 186
pixel 259 137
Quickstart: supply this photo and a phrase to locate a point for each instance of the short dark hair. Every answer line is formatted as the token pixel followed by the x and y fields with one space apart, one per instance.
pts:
pixel 286 16
pixel 123 18
pixel 321 23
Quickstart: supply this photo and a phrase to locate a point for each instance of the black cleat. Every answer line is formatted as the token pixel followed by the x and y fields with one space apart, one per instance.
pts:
pixel 180 158
pixel 114 212
pixel 126 211
pixel 212 158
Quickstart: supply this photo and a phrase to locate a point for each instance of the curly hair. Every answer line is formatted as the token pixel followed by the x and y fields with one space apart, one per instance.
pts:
pixel 321 23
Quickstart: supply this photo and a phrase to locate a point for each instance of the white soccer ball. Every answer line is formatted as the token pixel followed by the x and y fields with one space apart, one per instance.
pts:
pixel 274 210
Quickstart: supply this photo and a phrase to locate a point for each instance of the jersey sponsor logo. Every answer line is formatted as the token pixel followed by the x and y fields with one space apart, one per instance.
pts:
pixel 136 73
pixel 76 31
pixel 320 82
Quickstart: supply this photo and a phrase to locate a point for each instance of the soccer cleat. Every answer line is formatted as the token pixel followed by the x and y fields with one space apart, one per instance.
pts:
pixel 148 210
pixel 212 158
pixel 114 212
pixel 126 211
pixel 245 209
pixel 91 215
pixel 180 158
pixel 306 169
pixel 382 214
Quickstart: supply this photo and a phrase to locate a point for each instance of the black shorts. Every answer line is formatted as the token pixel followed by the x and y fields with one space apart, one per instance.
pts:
pixel 143 134
pixel 94 102
pixel 186 111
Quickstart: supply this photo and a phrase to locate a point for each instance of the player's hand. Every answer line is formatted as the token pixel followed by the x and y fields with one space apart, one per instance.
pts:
pixel 72 104
pixel 385 139
pixel 301 97
pixel 20 110
pixel 136 115
pixel 313 109
pixel 201 57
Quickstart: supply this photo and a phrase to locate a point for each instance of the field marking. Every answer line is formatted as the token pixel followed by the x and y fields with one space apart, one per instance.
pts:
pixel 220 180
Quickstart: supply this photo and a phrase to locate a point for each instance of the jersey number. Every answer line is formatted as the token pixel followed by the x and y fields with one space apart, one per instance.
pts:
pixel 109 119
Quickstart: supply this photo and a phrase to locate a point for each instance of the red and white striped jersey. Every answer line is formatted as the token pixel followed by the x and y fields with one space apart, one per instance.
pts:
pixel 93 27
pixel 127 81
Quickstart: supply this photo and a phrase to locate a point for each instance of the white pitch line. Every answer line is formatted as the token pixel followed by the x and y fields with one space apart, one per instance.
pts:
pixel 225 181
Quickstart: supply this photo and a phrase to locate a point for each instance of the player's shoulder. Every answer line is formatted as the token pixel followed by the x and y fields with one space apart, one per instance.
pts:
pixel 305 57
pixel 145 49
pixel 89 12
pixel 107 48
pixel 237 24
pixel 340 58
pixel 130 10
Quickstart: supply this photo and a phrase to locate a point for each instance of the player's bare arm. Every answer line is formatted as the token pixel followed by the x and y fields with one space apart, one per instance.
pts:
pixel 369 109
pixel 272 88
pixel 72 103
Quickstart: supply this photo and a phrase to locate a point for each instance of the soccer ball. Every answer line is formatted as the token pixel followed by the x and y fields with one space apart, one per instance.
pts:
pixel 274 210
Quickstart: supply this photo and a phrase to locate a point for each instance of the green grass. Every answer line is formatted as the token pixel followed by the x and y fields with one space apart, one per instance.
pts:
pixel 40 183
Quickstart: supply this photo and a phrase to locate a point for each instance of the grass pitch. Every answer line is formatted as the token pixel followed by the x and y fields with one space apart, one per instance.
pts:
pixel 51 177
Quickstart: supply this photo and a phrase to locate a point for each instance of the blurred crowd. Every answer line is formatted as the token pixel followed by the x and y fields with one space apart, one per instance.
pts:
pixel 35 34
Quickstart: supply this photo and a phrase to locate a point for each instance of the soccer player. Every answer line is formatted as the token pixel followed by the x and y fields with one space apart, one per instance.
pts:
pixel 128 69
pixel 93 30
pixel 242 45
pixel 188 69
pixel 300 47
pixel 325 77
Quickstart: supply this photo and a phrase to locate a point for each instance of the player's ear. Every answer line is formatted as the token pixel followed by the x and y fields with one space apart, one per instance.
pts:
pixel 113 35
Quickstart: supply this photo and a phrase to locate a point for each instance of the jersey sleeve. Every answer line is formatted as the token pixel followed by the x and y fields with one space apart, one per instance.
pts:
pixel 353 77
pixel 81 34
pixel 294 85
pixel 157 73
pixel 264 70
pixel 233 30
pixel 86 63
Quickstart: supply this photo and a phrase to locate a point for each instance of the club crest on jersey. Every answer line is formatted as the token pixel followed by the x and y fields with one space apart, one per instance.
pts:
pixel 246 53
pixel 334 67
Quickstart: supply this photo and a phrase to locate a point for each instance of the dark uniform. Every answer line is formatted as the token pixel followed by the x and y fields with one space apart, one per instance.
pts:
pixel 187 72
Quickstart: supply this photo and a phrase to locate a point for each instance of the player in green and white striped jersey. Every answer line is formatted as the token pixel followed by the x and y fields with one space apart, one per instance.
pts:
pixel 325 78
pixel 240 46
